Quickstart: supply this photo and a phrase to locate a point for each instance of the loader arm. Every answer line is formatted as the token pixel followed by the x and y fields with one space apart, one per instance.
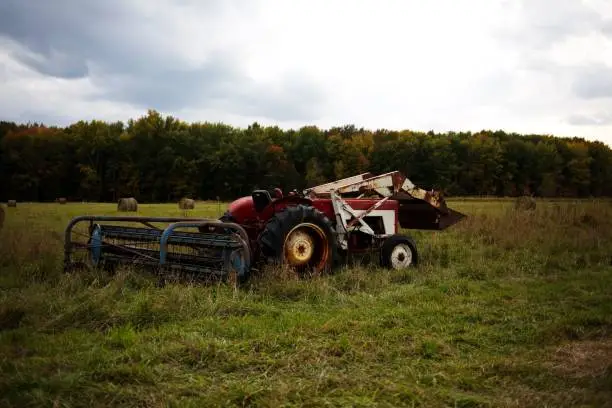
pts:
pixel 419 208
pixel 325 189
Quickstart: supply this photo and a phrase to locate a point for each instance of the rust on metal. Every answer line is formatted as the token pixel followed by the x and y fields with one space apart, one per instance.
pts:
pixel 381 184
pixel 398 181
pixel 324 189
pixel 431 197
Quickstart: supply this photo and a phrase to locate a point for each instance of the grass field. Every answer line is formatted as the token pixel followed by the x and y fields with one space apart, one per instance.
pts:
pixel 507 309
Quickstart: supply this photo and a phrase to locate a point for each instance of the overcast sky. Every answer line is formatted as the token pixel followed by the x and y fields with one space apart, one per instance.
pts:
pixel 537 66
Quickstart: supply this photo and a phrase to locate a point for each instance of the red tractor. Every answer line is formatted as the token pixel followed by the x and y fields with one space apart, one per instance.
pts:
pixel 308 231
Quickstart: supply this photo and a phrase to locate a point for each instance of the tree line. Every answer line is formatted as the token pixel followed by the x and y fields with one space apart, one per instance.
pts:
pixel 158 158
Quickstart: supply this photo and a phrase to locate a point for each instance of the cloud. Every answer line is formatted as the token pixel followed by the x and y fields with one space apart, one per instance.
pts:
pixel 540 24
pixel 530 66
pixel 593 82
pixel 596 119
pixel 143 61
pixel 563 55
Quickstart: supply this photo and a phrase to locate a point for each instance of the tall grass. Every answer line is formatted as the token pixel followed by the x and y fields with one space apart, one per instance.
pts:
pixel 507 308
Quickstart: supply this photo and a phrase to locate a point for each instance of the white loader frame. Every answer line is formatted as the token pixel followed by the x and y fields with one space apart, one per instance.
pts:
pixel 385 186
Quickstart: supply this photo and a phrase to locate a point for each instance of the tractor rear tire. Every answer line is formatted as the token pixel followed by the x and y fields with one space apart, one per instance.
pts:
pixel 399 252
pixel 300 237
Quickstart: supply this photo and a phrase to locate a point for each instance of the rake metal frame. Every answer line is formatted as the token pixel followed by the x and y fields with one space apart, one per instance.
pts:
pixel 166 234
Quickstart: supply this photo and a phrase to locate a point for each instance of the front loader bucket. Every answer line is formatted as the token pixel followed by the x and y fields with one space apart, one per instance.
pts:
pixel 416 213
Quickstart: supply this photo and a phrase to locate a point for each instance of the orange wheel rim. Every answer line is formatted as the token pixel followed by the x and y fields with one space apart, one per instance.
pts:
pixel 306 244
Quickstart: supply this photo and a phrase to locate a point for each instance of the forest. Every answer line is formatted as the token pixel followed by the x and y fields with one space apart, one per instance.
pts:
pixel 157 158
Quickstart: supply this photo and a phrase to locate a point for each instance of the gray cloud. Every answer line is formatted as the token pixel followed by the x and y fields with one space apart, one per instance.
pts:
pixel 606 28
pixel 593 82
pixel 47 118
pixel 540 26
pixel 173 88
pixel 54 64
pixel 131 60
pixel 218 83
pixel 598 119
pixel 543 23
pixel 63 27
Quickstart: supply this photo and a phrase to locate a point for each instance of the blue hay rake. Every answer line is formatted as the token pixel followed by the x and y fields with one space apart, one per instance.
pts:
pixel 201 247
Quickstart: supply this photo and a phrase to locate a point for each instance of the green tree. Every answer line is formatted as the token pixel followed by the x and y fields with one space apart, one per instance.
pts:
pixel 160 158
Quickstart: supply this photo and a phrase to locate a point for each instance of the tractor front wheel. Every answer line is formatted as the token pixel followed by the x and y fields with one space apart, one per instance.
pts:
pixel 399 252
pixel 300 237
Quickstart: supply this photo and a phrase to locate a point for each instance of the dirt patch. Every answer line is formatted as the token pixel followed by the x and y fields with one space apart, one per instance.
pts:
pixel 582 358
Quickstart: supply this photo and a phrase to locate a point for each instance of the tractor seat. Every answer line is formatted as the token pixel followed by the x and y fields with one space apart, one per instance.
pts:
pixel 261 198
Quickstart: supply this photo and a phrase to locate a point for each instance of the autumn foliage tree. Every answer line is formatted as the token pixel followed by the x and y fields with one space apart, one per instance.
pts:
pixel 155 159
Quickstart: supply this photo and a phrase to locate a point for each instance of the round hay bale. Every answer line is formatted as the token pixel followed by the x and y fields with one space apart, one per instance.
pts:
pixel 62 200
pixel 127 204
pixel 525 203
pixel 1 216
pixel 186 204
pixel 11 203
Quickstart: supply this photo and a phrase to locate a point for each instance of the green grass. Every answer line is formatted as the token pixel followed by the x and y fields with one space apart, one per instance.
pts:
pixel 508 309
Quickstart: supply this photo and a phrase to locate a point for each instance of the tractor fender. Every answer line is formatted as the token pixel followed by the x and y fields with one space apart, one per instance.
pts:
pixel 281 204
